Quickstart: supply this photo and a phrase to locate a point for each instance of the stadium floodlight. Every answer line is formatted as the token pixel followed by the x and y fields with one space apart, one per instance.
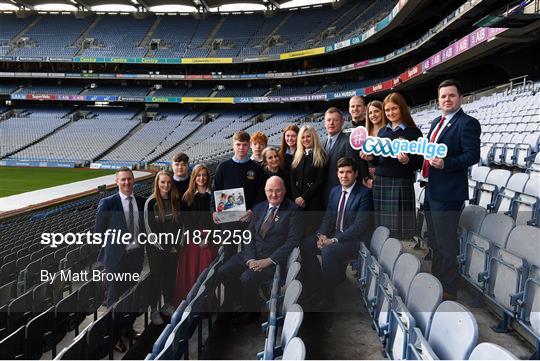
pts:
pixel 238 7
pixel 301 3
pixel 8 7
pixel 55 7
pixel 114 8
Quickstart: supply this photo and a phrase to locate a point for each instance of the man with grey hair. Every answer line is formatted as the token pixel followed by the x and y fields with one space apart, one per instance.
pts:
pixel 275 230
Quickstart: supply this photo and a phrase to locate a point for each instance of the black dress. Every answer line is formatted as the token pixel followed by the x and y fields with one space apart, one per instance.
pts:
pixel 162 262
pixel 307 181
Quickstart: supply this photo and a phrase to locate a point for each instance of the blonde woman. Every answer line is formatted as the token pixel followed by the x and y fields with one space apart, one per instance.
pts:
pixel 161 215
pixel 308 174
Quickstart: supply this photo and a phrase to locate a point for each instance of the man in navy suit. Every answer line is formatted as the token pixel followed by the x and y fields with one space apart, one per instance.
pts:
pixel 122 212
pixel 337 146
pixel 275 230
pixel 346 222
pixel 447 186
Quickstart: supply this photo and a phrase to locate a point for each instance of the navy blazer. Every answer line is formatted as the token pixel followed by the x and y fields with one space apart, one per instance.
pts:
pixel 462 137
pixel 357 219
pixel 280 239
pixel 110 215
pixel 342 148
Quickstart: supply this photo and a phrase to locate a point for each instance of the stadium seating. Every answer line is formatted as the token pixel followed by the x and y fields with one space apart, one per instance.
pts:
pixel 452 335
pixel 54 36
pixel 175 36
pixel 405 269
pixel 480 246
pixel 295 350
pixel 415 313
pixel 154 138
pixel 78 142
pixel 28 126
pixel 491 351
pixel 118 35
pixel 10 26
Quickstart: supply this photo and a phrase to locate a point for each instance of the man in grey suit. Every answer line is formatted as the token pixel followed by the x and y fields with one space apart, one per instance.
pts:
pixel 337 146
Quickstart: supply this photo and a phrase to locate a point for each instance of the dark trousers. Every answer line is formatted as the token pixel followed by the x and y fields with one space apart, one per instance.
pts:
pixel 442 222
pixel 231 249
pixel 163 272
pixel 333 267
pixel 131 262
pixel 242 284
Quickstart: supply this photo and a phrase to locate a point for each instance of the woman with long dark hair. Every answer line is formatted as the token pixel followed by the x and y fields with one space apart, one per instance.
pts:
pixel 393 191
pixel 195 255
pixel 161 215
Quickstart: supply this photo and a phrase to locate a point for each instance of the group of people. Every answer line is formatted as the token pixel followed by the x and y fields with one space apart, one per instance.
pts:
pixel 322 196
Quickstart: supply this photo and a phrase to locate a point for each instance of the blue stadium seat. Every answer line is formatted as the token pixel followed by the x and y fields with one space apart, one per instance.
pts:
pixel 509 269
pixel 488 190
pixel 514 187
pixel 39 335
pixel 491 351
pixel 481 246
pixel 525 208
pixel 379 236
pixel 389 254
pixel 425 295
pixel 452 336
pixel 75 351
pixel 406 268
pixel 295 350
pixel 99 337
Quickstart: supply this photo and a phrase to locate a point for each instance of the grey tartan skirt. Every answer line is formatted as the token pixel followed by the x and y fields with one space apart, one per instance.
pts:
pixel 395 206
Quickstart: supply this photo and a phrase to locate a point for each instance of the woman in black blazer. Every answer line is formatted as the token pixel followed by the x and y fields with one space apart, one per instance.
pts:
pixel 308 170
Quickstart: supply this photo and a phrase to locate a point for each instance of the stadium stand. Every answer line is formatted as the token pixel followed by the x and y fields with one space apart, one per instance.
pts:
pixel 206 143
pixel 7 89
pixel 78 141
pixel 153 138
pixel 10 26
pixel 166 37
pixel 498 229
pixel 25 127
pixel 41 89
pixel 104 38
pixel 53 36
pixel 116 90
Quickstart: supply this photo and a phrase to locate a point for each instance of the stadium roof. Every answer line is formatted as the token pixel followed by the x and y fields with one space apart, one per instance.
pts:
pixel 159 5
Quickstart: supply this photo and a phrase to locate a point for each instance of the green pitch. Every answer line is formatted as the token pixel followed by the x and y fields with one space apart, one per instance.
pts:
pixel 15 180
